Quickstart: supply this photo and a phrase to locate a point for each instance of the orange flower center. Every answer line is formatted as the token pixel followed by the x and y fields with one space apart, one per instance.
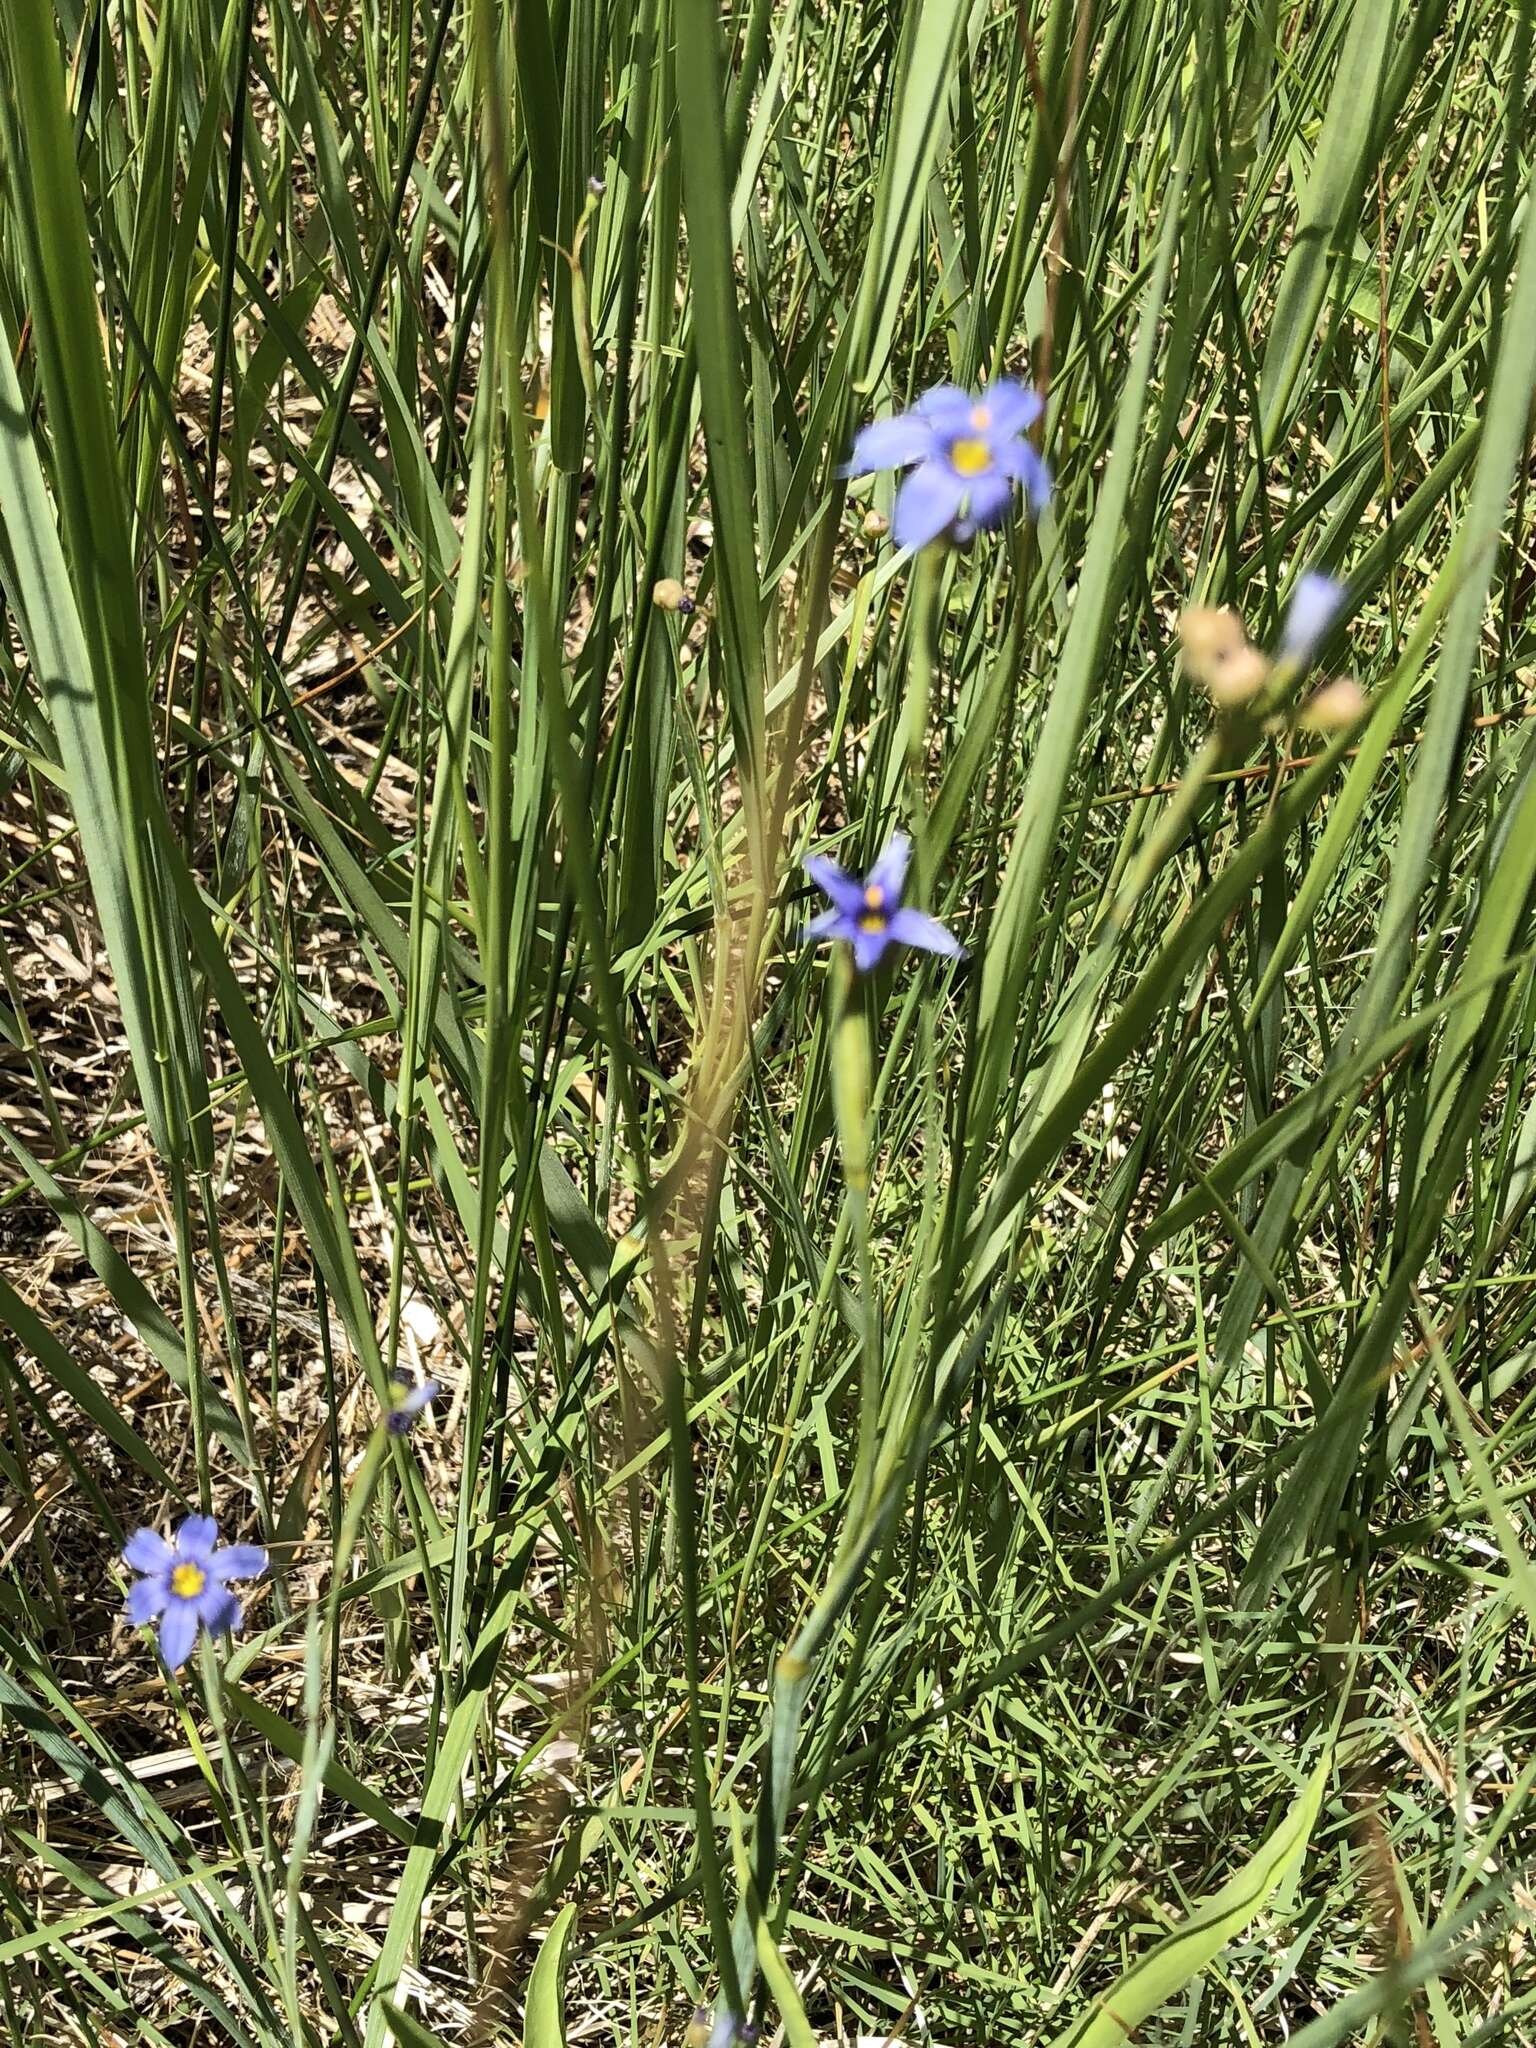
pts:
pixel 969 456
pixel 188 1580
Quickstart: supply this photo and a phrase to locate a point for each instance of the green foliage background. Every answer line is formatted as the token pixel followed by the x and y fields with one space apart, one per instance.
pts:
pixel 937 1483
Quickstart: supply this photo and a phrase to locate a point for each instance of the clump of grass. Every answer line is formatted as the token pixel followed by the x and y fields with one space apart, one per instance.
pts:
pixel 971 1500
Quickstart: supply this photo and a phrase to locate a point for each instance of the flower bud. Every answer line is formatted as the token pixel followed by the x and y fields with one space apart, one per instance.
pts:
pixel 669 596
pixel 1334 706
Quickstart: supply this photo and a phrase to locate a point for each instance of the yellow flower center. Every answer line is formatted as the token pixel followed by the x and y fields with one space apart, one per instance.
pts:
pixel 188 1580
pixel 872 917
pixel 969 456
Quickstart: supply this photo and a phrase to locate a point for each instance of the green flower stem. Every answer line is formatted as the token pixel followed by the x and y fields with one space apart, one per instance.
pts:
pixel 913 735
pixel 850 1099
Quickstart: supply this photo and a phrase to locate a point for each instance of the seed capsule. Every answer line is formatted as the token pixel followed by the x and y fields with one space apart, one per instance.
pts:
pixel 1210 634
pixel 1237 679
pixel 1334 706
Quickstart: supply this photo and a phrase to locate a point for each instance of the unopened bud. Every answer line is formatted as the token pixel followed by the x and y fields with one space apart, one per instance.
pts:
pixel 876 525
pixel 669 596
pixel 1334 706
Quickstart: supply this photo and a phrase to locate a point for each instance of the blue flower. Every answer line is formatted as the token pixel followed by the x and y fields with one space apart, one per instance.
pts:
pixel 969 453
pixel 408 1404
pixel 186 1584
pixel 869 914
pixel 1314 606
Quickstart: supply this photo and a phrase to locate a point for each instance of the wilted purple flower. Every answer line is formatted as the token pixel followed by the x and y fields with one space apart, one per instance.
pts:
pixel 408 1404
pixel 728 2031
pixel 969 453
pixel 1314 606
pixel 185 1584
pixel 869 914
pixel 708 2029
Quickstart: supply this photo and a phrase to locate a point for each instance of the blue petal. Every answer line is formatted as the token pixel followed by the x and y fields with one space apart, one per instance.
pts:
pixel 890 444
pixel 146 1599
pixel 1037 481
pixel 948 407
pixel 1314 606
pixel 1020 461
pixel 889 873
pixel 845 890
pixel 832 924
pixel 217 1609
pixel 927 503
pixel 1013 407
pixel 916 928
pixel 147 1552
pixel 196 1538
pixel 987 500
pixel 178 1632
pixel 238 1561
pixel 868 948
